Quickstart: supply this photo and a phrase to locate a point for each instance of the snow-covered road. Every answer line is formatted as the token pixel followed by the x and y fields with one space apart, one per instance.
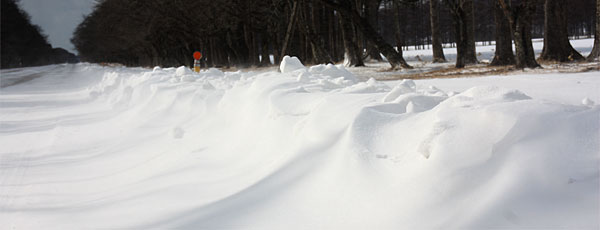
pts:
pixel 85 146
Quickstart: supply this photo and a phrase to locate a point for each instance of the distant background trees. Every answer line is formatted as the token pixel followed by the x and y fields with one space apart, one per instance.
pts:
pixel 22 44
pixel 247 32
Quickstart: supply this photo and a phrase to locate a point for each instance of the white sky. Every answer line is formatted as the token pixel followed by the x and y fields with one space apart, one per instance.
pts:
pixel 58 18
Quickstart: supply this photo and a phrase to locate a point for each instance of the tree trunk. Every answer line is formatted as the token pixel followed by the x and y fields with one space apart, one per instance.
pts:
pixel 459 33
pixel 462 15
pixel 520 24
pixel 264 50
pixel 397 24
pixel 372 13
pixel 332 34
pixel 352 55
pixel 471 53
pixel 556 37
pixel 274 37
pixel 394 58
pixel 210 53
pixel 504 52
pixel 315 41
pixel 349 12
pixel 438 51
pixel 289 30
pixel 595 55
pixel 250 39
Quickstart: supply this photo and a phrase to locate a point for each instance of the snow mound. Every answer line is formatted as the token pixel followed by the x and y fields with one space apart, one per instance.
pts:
pixel 406 86
pixel 333 72
pixel 290 64
pixel 326 77
pixel 183 70
pixel 587 102
pixel 289 150
pixel 495 92
pixel 212 72
pixel 370 86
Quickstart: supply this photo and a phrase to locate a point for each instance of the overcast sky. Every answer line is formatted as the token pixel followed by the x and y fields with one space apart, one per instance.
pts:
pixel 58 18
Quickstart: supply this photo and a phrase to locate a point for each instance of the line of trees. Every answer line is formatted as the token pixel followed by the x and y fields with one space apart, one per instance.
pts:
pixel 22 43
pixel 248 32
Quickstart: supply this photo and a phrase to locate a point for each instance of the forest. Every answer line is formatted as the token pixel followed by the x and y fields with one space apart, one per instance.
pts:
pixel 23 44
pixel 244 33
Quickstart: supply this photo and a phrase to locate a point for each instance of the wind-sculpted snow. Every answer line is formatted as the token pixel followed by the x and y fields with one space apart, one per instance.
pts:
pixel 85 146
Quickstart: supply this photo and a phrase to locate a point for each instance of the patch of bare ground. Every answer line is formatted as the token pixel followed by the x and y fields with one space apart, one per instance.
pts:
pixel 486 70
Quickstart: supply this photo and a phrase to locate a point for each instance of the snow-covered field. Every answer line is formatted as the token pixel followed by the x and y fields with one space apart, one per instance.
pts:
pixel 91 147
pixel 421 60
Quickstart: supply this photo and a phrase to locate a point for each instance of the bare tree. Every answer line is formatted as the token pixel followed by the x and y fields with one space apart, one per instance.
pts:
pixel 23 44
pixel 316 42
pixel 349 12
pixel 436 37
pixel 290 29
pixel 238 32
pixel 519 16
pixel 504 53
pixel 398 27
pixel 372 14
pixel 556 36
pixel 595 54
pixel 352 55
pixel 462 14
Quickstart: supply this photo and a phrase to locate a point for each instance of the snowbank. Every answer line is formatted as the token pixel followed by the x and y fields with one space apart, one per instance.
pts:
pixel 92 147
pixel 289 64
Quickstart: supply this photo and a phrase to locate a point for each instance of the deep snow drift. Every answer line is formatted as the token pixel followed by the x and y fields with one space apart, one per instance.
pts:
pixel 85 146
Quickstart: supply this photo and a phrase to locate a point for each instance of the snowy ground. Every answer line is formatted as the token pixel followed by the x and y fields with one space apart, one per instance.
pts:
pixel 421 60
pixel 85 146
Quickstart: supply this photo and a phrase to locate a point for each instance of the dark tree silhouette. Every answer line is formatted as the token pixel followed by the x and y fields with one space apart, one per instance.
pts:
pixel 22 43
pixel 436 37
pixel 519 15
pixel 504 53
pixel 462 14
pixel 556 36
pixel 352 54
pixel 372 13
pixel 242 33
pixel 595 54
pixel 345 7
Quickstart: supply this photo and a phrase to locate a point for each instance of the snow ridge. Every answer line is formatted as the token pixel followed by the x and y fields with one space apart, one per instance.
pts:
pixel 305 148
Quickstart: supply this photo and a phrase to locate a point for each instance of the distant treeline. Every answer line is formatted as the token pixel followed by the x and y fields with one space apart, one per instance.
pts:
pixel 417 31
pixel 23 43
pixel 247 32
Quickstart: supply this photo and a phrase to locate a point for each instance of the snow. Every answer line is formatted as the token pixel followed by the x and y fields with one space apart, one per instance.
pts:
pixel 567 88
pixel 86 146
pixel 181 71
pixel 422 59
pixel 586 101
pixel 289 64
pixel 406 86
